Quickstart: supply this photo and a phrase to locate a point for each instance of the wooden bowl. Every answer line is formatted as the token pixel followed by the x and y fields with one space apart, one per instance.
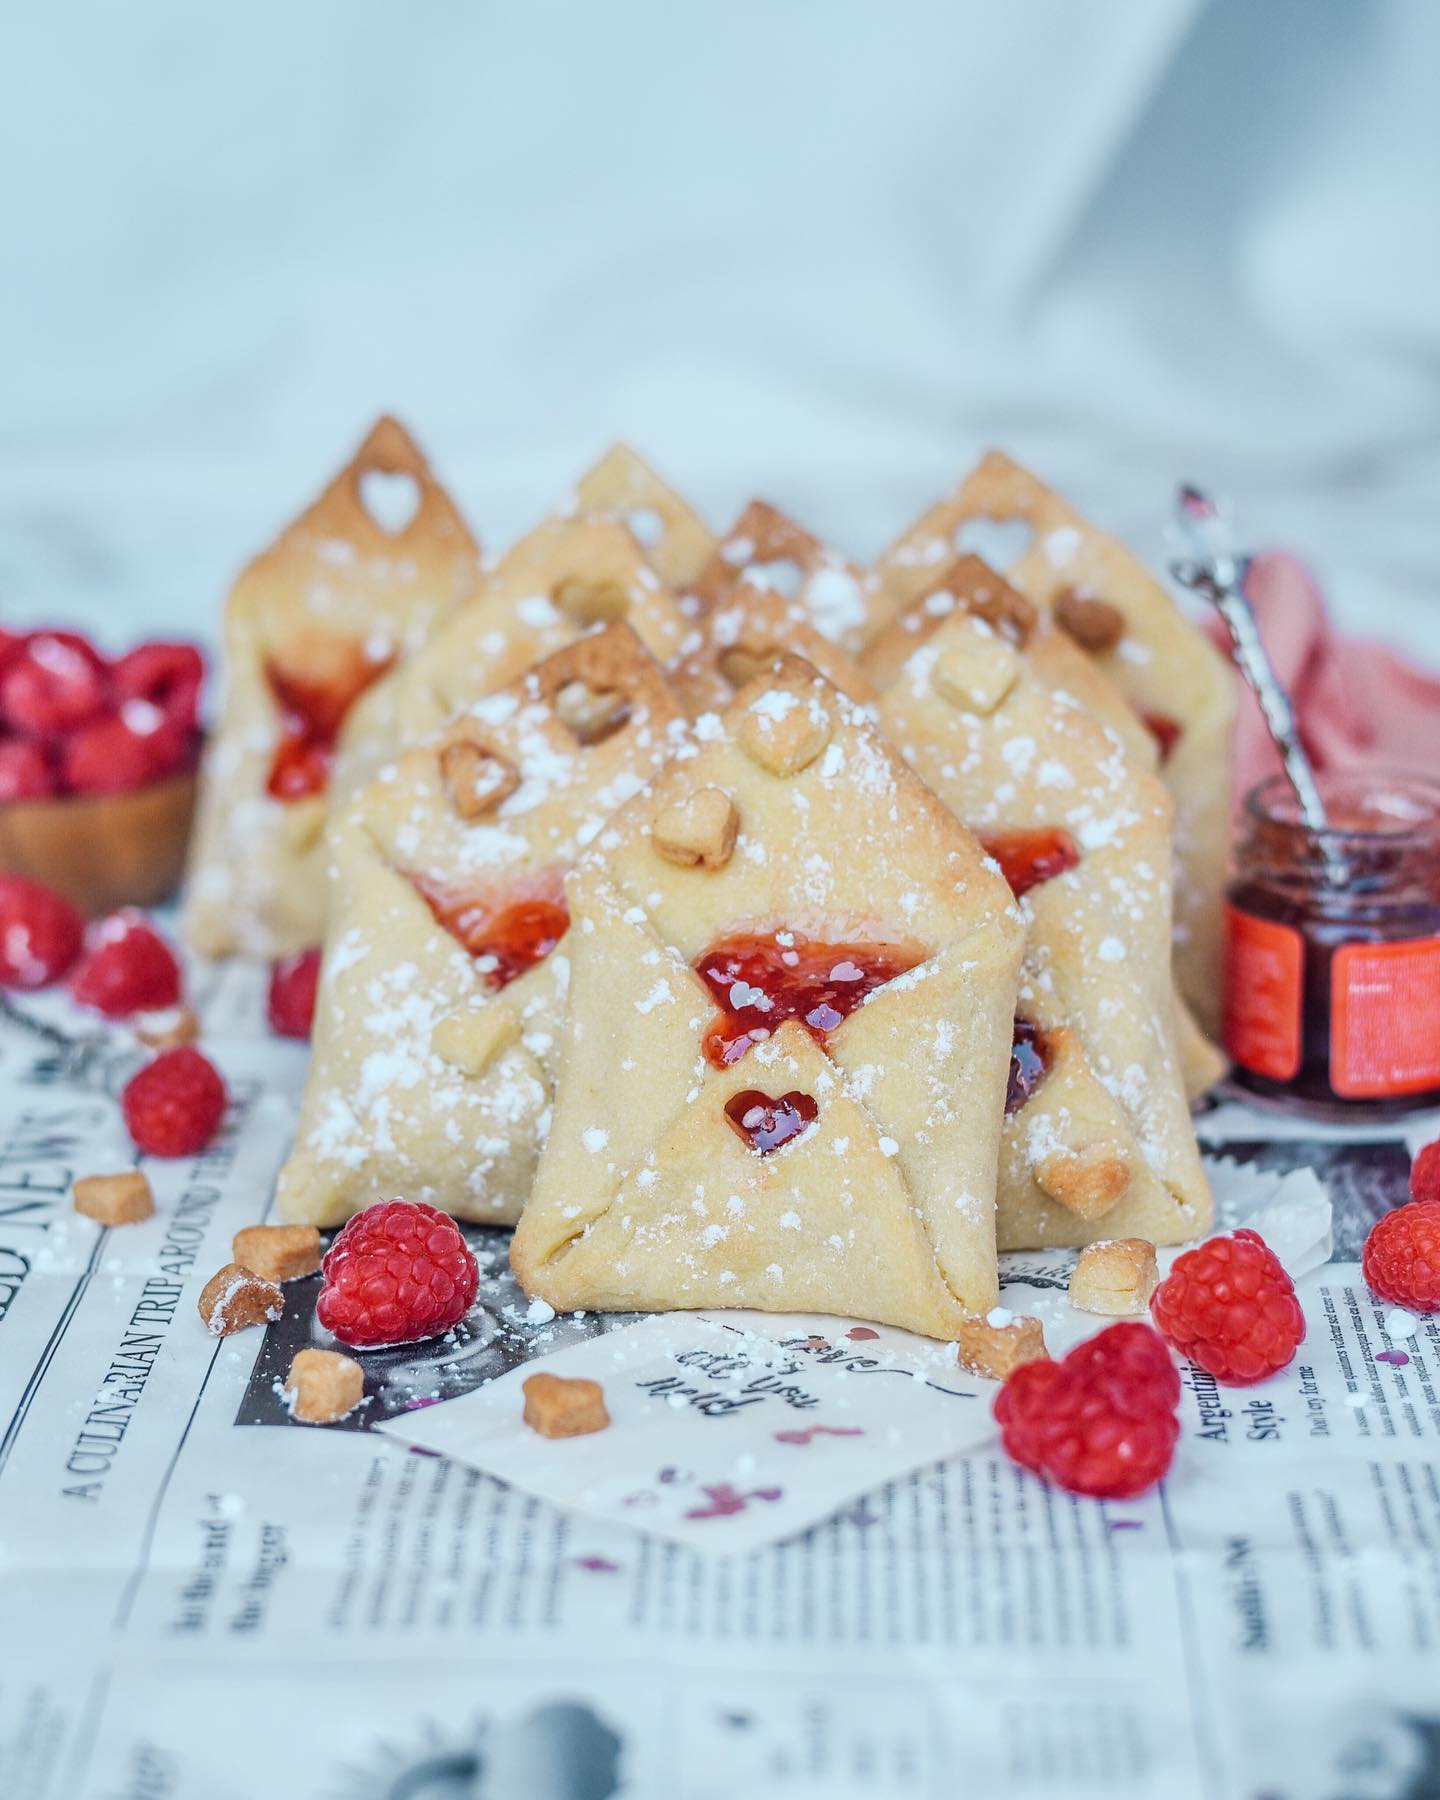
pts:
pixel 103 850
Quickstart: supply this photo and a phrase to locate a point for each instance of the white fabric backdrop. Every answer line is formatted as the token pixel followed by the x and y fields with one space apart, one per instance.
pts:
pixel 817 250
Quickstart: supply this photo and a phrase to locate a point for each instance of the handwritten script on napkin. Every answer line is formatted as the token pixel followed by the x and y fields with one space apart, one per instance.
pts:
pixel 723 1436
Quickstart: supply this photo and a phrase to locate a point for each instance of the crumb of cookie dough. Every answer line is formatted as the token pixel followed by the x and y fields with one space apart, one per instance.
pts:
pixel 234 1297
pixel 993 1348
pixel 114 1199
pixel 278 1252
pixel 323 1386
pixel 166 1029
pixel 558 1407
pixel 1115 1278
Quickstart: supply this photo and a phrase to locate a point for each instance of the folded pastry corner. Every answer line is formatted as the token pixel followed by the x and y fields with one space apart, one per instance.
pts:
pixel 748 631
pixel 1098 1140
pixel 783 1069
pixel 352 587
pixel 622 486
pixel 817 586
pixel 566 577
pixel 437 1016
pixel 1108 603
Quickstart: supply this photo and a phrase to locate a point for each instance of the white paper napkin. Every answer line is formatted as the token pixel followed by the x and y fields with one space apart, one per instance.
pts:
pixel 721 1437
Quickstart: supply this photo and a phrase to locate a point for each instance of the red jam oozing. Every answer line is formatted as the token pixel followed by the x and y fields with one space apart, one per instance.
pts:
pixel 511 936
pixel 1027 858
pixel 301 767
pixel 1030 1059
pixel 311 714
pixel 758 981
pixel 766 1124
pixel 1165 731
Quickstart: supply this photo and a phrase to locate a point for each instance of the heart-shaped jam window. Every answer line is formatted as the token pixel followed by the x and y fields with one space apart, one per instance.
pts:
pixel 766 1124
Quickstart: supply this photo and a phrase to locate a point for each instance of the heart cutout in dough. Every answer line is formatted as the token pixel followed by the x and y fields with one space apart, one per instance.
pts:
pixel 392 498
pixel 999 542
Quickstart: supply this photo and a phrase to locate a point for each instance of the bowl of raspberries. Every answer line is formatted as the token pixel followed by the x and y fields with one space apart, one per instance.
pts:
pixel 97 765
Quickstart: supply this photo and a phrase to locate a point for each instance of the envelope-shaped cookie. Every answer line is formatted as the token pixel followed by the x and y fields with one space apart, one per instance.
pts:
pixel 623 486
pixel 823 590
pixel 746 632
pixel 1098 1140
pixel 782 1080
pixel 970 585
pixel 1167 668
pixel 566 577
pixel 436 1020
pixel 352 587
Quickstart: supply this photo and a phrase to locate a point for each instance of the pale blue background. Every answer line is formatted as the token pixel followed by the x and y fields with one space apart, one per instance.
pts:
pixel 817 250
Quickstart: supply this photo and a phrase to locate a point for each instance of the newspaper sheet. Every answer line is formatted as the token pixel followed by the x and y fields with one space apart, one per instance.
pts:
pixel 201 1598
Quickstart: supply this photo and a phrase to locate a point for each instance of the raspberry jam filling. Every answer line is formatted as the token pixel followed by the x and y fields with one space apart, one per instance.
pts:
pixel 1030 1059
pixel 766 1124
pixel 311 714
pixel 506 937
pixel 759 980
pixel 1164 730
pixel 1027 858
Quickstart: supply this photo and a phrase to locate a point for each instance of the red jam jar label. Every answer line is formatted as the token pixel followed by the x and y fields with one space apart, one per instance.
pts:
pixel 1385 1019
pixel 1264 994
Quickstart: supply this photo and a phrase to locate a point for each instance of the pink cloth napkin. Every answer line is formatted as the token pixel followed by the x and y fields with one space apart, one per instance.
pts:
pixel 1358 704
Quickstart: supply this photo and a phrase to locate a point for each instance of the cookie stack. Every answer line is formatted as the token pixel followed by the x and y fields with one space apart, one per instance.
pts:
pixel 747 928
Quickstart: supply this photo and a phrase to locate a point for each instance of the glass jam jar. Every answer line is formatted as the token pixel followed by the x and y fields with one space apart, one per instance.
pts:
pixel 1332 952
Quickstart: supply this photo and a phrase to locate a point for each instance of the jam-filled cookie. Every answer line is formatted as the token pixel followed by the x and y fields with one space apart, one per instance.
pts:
pixel 1098 1140
pixel 745 633
pixel 437 1016
pixel 345 593
pixel 819 588
pixel 783 1070
pixel 623 486
pixel 565 578
pixel 1110 606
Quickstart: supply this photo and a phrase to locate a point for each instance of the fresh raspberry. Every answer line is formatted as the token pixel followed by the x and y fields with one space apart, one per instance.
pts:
pixel 40 933
pixel 174 1106
pixel 24 771
pixel 1102 1420
pixel 168 676
pixel 1425 1173
pixel 1401 1258
pixel 169 744
pixel 291 1006
pixel 11 644
pixel 127 968
pixel 107 757
pixel 399 1271
pixel 53 684
pixel 1230 1307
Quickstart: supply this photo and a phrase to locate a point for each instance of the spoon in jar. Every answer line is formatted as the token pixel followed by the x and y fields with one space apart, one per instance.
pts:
pixel 1215 572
